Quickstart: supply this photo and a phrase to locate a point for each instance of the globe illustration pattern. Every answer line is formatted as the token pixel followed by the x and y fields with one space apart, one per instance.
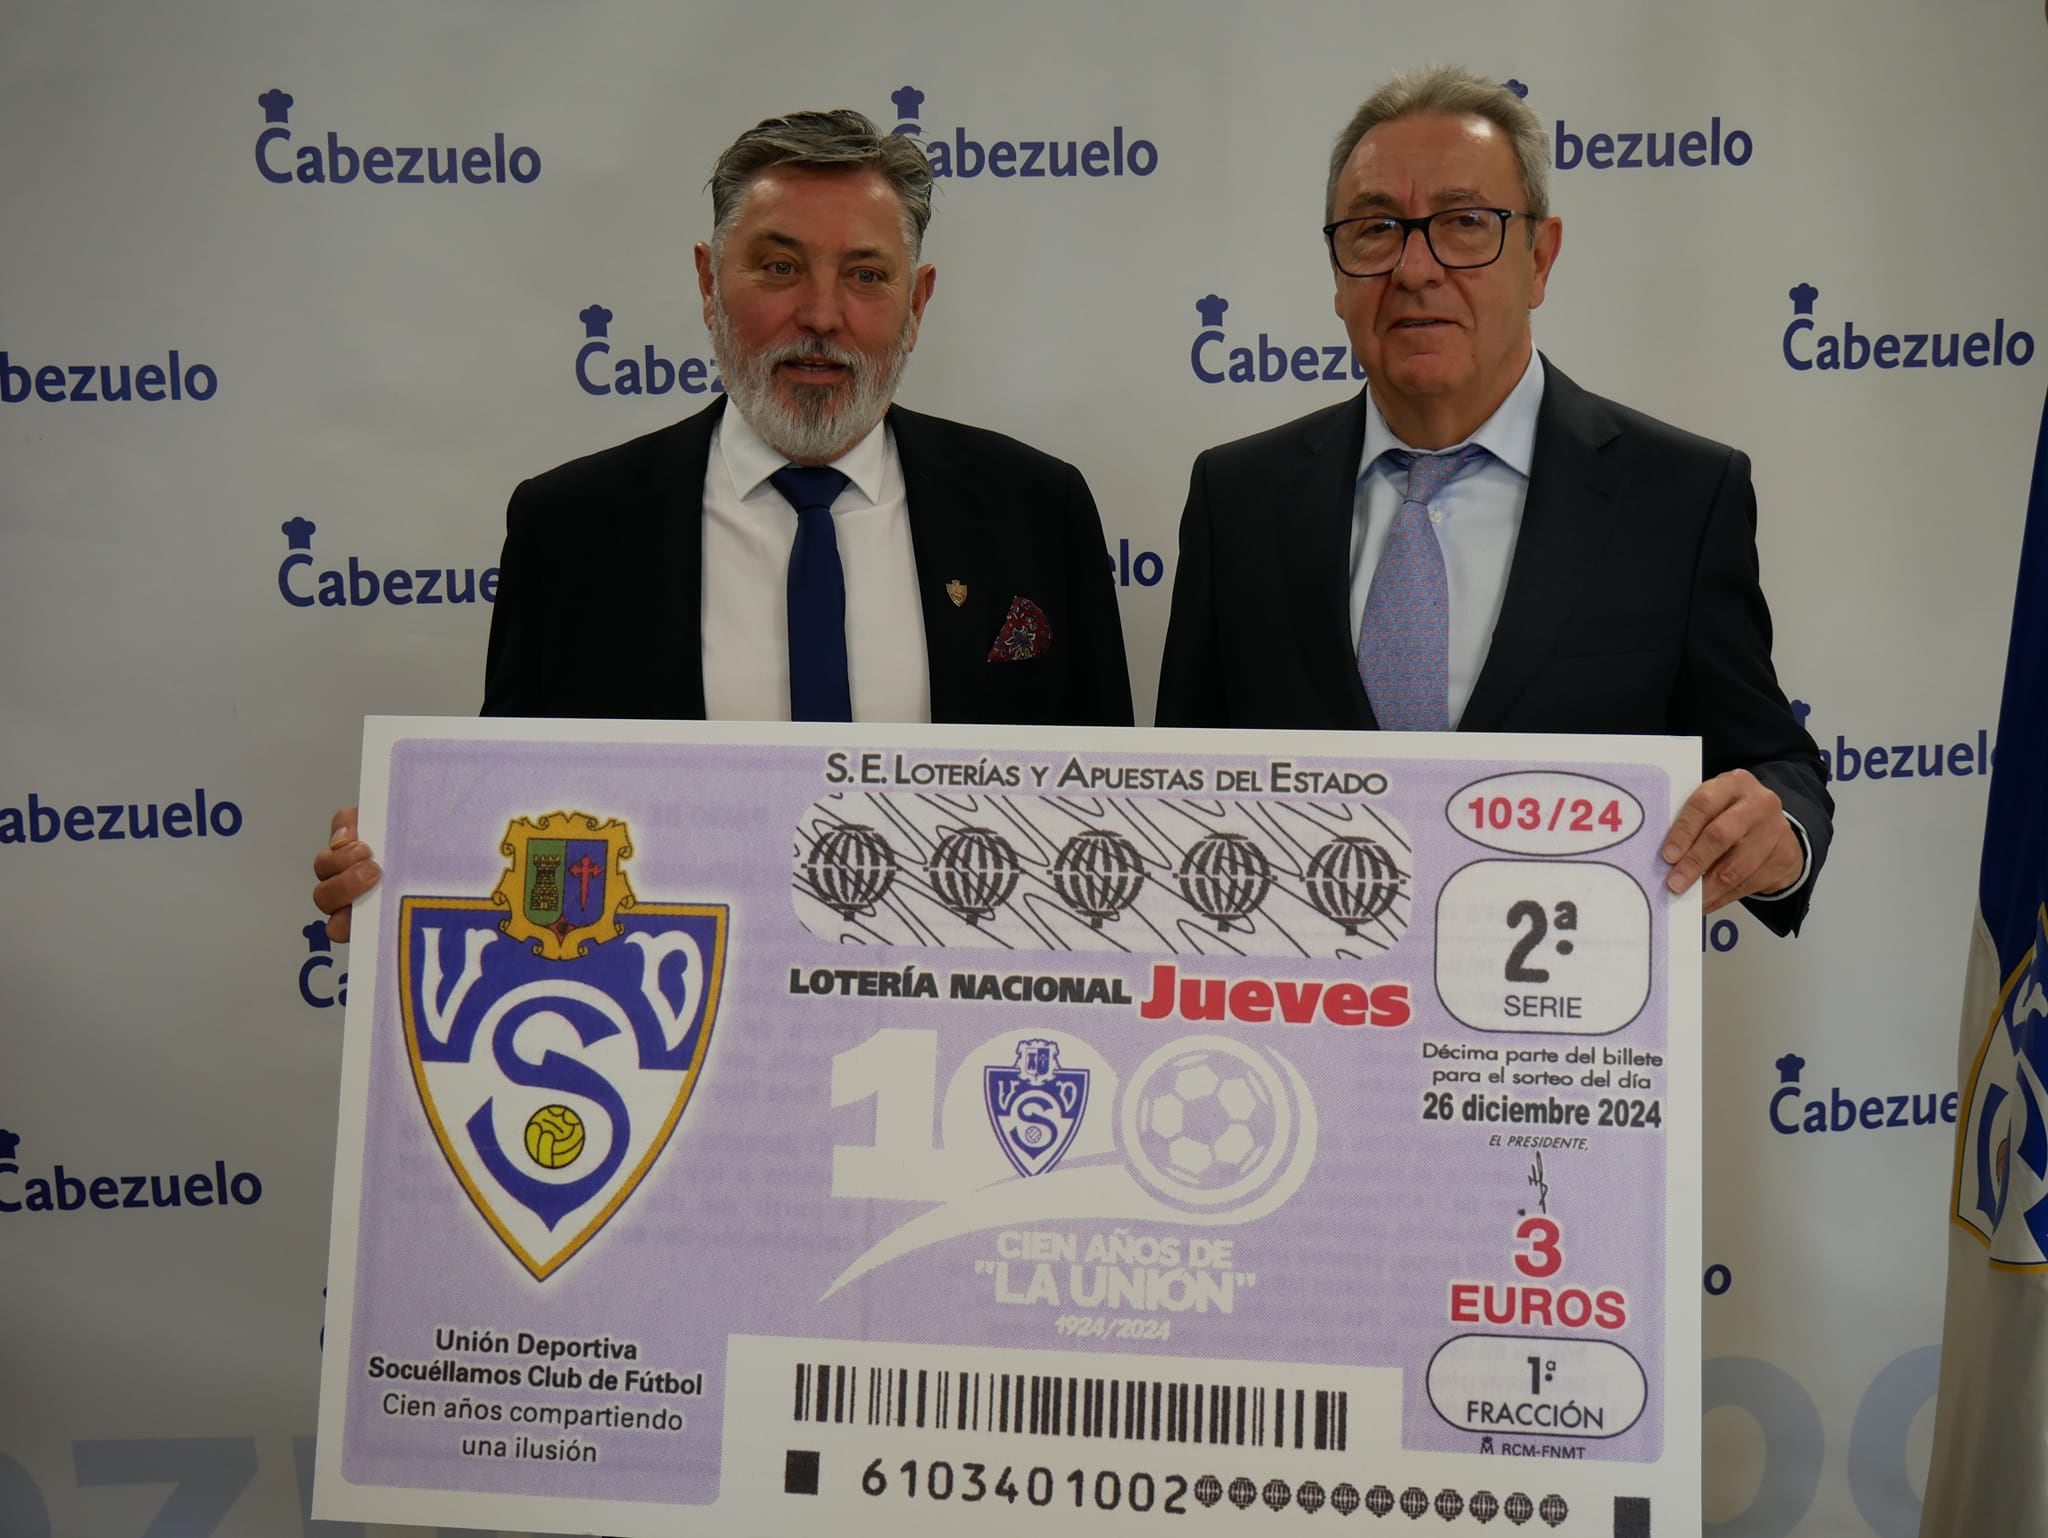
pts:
pixel 1224 877
pixel 1068 874
pixel 973 871
pixel 851 868
pixel 1353 881
pixel 1098 874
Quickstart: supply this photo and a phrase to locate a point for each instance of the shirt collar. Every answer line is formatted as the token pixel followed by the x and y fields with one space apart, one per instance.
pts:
pixel 749 461
pixel 1509 435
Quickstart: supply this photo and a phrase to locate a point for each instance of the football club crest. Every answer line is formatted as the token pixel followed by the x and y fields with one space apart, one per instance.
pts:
pixel 1035 1105
pixel 557 1029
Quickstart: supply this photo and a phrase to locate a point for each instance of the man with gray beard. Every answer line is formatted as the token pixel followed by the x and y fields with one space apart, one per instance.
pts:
pixel 959 575
pixel 801 549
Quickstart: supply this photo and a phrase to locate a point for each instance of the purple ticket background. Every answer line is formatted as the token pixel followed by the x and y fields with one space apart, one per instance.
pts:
pixel 1359 1174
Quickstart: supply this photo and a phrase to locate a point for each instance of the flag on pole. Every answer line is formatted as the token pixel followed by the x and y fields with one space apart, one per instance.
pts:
pixel 1990 1466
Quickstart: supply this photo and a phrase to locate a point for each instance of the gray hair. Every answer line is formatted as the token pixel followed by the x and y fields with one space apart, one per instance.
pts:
pixel 839 140
pixel 1460 93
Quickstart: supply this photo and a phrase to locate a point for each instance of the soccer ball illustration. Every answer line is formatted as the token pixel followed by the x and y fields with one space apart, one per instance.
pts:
pixel 554 1137
pixel 1208 1121
pixel 1209 1118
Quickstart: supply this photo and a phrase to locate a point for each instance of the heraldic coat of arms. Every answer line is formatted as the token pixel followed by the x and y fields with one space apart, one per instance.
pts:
pixel 557 1028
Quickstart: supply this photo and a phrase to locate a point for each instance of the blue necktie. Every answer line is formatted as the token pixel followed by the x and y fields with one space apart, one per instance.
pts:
pixel 1404 643
pixel 818 687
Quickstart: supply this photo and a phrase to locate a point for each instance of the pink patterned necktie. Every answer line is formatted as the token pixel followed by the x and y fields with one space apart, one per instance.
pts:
pixel 1404 644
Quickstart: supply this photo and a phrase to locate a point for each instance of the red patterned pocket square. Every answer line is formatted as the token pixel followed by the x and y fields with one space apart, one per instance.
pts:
pixel 1026 633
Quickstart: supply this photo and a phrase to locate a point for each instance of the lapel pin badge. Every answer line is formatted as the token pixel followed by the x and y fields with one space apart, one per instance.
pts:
pixel 957 591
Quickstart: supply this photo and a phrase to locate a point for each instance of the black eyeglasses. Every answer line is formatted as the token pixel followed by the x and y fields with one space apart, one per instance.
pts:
pixel 1371 246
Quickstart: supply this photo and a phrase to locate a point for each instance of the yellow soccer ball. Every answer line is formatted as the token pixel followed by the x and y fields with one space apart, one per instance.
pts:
pixel 554 1137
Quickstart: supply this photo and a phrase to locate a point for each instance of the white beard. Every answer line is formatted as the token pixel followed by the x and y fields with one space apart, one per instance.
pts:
pixel 810 429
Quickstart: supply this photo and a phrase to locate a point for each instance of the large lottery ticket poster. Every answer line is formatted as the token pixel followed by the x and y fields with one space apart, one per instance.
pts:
pixel 870 1131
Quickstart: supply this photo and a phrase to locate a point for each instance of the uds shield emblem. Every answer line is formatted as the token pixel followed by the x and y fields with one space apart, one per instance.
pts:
pixel 1035 1105
pixel 557 1029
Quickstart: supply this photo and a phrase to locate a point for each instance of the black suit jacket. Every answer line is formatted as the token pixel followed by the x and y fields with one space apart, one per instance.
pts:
pixel 1632 602
pixel 600 588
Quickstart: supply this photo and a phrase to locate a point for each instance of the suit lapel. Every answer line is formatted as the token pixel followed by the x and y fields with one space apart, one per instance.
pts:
pixel 671 588
pixel 1313 520
pixel 949 542
pixel 1566 520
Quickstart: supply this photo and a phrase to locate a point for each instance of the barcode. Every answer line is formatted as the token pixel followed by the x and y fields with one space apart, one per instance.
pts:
pixel 1057 1405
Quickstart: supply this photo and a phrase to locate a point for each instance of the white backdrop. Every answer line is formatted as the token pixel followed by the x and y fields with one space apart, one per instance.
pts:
pixel 384 362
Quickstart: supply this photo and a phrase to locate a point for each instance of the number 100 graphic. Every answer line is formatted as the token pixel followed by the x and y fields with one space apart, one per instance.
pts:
pixel 1204 1131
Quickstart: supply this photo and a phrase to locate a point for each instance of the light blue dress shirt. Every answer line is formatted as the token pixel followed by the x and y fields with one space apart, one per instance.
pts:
pixel 1477 518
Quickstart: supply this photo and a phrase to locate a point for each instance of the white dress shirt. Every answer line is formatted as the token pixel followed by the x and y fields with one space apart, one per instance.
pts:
pixel 749 530
pixel 1477 518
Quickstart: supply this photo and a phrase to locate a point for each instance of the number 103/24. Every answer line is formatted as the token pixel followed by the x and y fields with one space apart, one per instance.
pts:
pixel 1568 814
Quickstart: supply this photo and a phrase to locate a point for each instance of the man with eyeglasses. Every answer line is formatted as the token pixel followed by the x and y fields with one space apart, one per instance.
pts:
pixel 1475 542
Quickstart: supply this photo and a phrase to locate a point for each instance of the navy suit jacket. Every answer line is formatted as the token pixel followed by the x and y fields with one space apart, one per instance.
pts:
pixel 600 588
pixel 1633 603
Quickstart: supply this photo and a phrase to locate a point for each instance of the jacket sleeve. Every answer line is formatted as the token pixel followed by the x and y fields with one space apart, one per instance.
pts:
pixel 1729 692
pixel 512 662
pixel 1190 689
pixel 1098 681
